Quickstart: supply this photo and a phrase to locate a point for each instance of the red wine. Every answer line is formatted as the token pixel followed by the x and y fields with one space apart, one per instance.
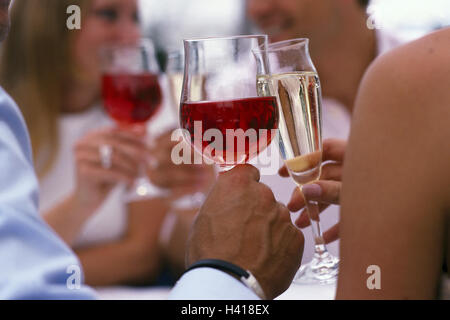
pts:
pixel 246 114
pixel 131 98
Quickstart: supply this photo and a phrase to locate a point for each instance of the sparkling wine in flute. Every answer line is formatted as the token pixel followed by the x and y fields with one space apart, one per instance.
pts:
pixel 176 87
pixel 298 97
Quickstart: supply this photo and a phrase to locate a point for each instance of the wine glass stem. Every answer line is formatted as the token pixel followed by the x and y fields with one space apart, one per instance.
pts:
pixel 312 207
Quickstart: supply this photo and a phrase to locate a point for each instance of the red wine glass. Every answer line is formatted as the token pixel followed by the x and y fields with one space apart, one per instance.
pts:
pixel 221 114
pixel 132 96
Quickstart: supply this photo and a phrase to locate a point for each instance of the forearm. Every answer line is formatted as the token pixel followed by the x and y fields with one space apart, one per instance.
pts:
pixel 123 262
pixel 67 218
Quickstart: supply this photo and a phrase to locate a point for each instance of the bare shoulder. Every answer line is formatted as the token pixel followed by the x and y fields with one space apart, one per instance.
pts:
pixel 406 91
pixel 415 77
pixel 427 56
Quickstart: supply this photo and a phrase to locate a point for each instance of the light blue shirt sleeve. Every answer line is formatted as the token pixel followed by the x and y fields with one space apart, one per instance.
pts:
pixel 210 284
pixel 34 261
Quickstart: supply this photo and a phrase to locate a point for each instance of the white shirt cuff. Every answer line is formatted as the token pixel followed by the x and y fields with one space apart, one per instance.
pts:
pixel 210 284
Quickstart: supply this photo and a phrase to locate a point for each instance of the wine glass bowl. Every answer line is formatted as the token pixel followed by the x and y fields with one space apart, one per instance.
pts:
pixel 131 99
pixel 239 121
pixel 222 115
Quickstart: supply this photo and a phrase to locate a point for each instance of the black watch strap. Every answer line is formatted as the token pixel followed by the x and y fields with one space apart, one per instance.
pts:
pixel 221 265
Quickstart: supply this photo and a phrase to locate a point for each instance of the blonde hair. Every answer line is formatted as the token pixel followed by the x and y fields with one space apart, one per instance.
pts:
pixel 35 64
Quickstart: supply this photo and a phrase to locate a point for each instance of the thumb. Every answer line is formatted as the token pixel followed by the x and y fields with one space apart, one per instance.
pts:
pixel 323 191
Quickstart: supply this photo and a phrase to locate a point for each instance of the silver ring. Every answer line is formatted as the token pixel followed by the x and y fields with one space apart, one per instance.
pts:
pixel 105 151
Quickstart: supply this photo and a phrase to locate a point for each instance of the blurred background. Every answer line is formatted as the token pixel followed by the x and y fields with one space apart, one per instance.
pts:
pixel 169 22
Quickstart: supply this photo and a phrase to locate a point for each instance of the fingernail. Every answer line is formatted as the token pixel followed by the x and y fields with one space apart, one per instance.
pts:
pixel 312 190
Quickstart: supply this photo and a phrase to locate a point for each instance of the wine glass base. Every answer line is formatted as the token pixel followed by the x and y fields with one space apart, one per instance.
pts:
pixel 322 270
pixel 143 189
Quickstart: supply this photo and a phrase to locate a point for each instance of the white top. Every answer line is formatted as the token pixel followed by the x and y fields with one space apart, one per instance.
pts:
pixel 110 220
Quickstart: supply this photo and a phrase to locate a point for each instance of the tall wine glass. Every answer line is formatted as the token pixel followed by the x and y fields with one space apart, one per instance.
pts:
pixel 287 72
pixel 221 113
pixel 132 96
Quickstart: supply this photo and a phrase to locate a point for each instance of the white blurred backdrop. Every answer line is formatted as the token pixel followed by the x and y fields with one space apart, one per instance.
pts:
pixel 410 19
pixel 169 21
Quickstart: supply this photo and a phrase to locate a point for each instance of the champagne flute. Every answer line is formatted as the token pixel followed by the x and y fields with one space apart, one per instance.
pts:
pixel 132 96
pixel 287 72
pixel 221 113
